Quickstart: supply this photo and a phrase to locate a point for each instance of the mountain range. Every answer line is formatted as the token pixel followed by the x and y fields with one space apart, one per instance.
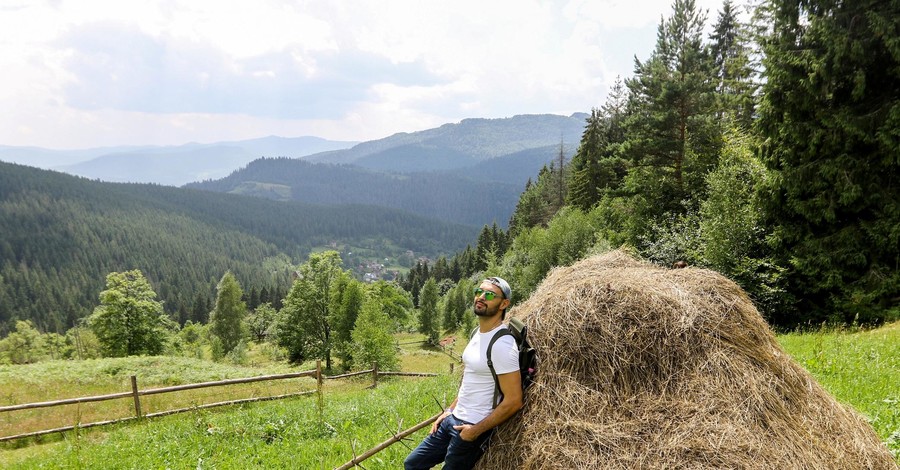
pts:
pixel 448 147
pixel 171 165
pixel 471 172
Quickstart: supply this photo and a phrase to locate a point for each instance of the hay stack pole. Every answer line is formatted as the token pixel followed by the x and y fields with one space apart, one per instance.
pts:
pixel 645 367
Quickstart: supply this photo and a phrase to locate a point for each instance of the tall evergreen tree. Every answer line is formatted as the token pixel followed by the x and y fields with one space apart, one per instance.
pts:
pixel 483 247
pixel 731 58
pixel 597 166
pixel 829 121
pixel 672 136
pixel 253 299
pixel 347 301
pixel 539 202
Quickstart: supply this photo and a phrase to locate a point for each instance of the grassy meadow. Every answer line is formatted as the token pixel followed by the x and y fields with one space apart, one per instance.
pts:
pixel 861 368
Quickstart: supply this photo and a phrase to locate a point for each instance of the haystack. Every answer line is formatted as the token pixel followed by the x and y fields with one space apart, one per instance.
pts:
pixel 645 367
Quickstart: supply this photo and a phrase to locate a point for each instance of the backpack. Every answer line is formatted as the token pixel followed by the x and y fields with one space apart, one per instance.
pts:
pixel 527 356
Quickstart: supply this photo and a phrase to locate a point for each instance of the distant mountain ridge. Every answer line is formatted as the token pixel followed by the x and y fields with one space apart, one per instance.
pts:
pixel 469 141
pixel 471 172
pixel 167 165
pixel 448 147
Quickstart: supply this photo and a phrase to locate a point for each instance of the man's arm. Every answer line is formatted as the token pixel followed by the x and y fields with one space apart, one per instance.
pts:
pixel 443 415
pixel 511 387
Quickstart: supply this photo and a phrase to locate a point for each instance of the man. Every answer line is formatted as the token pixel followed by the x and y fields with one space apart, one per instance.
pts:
pixel 460 434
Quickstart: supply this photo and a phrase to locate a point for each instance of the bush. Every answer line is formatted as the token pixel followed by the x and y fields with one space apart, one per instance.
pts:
pixel 734 237
pixel 568 237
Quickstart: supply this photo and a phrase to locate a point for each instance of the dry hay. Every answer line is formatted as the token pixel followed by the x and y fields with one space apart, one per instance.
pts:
pixel 644 367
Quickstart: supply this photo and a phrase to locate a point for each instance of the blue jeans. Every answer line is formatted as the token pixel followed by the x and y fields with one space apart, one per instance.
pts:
pixel 446 446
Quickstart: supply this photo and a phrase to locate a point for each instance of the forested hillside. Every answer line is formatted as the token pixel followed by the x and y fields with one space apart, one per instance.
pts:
pixel 452 197
pixel 61 235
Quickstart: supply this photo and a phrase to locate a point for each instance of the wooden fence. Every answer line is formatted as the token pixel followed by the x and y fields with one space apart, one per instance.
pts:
pixel 136 394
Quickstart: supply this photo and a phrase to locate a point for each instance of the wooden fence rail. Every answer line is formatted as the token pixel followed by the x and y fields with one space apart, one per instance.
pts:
pixel 112 396
pixel 135 393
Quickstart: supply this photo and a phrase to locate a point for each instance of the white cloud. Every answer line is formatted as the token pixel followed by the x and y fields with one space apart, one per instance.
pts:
pixel 81 73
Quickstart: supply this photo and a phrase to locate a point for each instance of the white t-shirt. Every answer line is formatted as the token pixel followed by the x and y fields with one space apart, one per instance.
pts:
pixel 476 394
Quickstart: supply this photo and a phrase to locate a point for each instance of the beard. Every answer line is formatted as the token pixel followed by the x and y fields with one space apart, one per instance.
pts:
pixel 484 310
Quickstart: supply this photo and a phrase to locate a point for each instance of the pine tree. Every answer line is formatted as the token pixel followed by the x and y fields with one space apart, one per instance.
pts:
pixel 829 121
pixel 538 203
pixel 485 244
pixel 672 134
pixel 597 166
pixel 730 54
pixel 253 299
pixel 347 301
pixel 460 300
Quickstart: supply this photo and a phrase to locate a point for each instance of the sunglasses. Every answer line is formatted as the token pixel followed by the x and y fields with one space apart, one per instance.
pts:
pixel 488 295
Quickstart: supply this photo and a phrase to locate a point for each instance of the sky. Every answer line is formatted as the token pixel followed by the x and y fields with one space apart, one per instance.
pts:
pixel 95 73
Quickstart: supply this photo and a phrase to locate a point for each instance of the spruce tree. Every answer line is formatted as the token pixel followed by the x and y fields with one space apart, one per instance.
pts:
pixel 731 61
pixel 347 301
pixel 672 136
pixel 597 166
pixel 829 122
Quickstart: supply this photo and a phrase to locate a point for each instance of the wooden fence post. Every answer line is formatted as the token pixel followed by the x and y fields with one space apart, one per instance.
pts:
pixel 451 368
pixel 320 402
pixel 374 374
pixel 137 398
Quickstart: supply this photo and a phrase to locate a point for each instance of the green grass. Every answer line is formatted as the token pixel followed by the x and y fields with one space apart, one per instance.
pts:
pixel 55 380
pixel 283 434
pixel 860 368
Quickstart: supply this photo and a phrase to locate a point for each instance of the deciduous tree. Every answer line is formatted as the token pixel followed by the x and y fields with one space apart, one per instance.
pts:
pixel 428 311
pixel 304 327
pixel 372 340
pixel 227 320
pixel 129 320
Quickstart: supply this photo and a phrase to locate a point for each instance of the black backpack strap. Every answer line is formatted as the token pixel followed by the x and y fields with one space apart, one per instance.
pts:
pixel 498 397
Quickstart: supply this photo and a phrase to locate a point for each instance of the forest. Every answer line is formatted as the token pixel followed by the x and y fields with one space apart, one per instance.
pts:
pixel 62 235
